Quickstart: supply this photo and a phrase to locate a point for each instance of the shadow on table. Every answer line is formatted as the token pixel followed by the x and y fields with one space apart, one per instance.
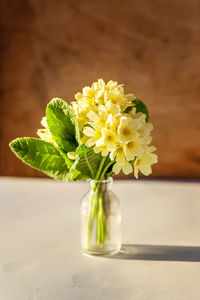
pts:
pixel 153 252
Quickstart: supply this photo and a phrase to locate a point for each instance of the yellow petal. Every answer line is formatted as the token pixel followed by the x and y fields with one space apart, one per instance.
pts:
pixel 116 168
pixel 136 172
pixel 145 169
pixel 127 168
pixel 93 116
pixel 89 131
pixel 78 96
pixel 90 142
pixel 132 149
pixel 71 155
pixel 44 122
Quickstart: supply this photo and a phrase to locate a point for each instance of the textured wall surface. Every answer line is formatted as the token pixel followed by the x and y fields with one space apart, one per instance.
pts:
pixel 54 48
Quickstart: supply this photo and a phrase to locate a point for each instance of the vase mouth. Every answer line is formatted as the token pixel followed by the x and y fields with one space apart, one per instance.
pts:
pixel 109 180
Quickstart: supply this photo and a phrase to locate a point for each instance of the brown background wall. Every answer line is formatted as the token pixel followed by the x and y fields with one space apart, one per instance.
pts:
pixel 54 48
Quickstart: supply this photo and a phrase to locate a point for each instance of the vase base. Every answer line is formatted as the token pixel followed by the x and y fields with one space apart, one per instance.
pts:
pixel 100 253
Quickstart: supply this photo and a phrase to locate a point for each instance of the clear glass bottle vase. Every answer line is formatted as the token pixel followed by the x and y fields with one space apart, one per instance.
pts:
pixel 100 219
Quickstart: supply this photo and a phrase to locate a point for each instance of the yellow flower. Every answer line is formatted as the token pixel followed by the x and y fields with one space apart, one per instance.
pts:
pixel 95 92
pixel 112 108
pixel 109 139
pixel 132 149
pixel 111 84
pixel 114 93
pixel 81 110
pixel 98 119
pixel 143 163
pixel 144 132
pixel 118 154
pixel 94 135
pixel 101 93
pixel 127 129
pixel 103 123
pixel 45 133
pixel 104 151
pixel 112 122
pixel 126 168
pixel 128 102
pixel 145 129
pixel 121 162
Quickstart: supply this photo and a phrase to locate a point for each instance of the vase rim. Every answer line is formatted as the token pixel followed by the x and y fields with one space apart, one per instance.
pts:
pixel 108 180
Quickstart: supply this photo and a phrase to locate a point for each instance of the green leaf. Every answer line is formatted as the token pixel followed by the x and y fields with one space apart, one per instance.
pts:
pixel 69 162
pixel 86 164
pixel 63 124
pixel 40 155
pixel 140 107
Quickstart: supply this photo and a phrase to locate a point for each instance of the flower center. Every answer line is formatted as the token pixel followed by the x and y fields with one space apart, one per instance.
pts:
pixel 130 145
pixel 109 138
pixel 126 131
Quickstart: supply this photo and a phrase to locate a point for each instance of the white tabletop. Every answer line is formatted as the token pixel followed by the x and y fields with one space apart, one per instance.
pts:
pixel 40 254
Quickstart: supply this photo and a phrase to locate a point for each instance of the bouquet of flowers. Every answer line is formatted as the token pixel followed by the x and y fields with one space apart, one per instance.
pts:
pixel 101 133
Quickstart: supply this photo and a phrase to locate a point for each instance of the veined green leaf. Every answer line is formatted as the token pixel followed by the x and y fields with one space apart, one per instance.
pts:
pixel 69 162
pixel 41 155
pixel 86 164
pixel 63 124
pixel 140 107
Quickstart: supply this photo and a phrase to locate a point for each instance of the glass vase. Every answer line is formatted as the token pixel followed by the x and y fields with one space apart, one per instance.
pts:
pixel 100 219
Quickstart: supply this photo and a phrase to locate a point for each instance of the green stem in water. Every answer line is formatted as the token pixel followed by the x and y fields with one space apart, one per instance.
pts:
pixel 105 170
pixel 93 210
pixel 101 234
pixel 97 207
pixel 96 187
pixel 100 167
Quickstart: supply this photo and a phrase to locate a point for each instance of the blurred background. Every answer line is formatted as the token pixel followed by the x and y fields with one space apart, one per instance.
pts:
pixel 54 48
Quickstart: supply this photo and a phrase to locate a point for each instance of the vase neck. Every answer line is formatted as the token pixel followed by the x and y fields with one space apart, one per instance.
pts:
pixel 104 185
